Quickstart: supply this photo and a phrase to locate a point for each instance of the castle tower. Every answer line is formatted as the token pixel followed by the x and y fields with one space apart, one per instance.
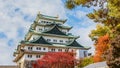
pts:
pixel 47 34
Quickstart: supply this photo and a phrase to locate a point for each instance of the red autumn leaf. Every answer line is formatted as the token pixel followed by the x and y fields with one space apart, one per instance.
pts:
pixel 101 46
pixel 56 60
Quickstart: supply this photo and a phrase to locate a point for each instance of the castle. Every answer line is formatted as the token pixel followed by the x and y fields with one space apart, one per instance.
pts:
pixel 47 34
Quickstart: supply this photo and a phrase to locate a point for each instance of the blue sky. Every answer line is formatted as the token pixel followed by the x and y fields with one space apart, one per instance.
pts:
pixel 17 15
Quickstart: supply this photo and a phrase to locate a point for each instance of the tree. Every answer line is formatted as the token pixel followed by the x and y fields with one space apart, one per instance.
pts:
pixel 56 60
pixel 85 61
pixel 100 30
pixel 108 15
pixel 113 54
pixel 101 47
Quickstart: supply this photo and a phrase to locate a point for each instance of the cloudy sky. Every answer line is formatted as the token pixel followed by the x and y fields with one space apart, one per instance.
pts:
pixel 17 15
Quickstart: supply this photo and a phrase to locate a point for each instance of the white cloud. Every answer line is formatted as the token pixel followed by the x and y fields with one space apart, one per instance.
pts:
pixel 83 29
pixel 80 14
pixel 84 38
pixel 12 14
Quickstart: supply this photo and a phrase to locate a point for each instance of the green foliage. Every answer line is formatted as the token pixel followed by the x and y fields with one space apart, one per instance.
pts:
pixel 70 4
pixel 114 6
pixel 86 61
pixel 85 3
pixel 99 31
pixel 109 15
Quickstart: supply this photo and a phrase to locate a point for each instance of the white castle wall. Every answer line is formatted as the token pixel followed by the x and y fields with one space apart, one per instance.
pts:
pixel 49 21
pixel 42 29
pixel 65 40
pixel 56 38
pixel 34 48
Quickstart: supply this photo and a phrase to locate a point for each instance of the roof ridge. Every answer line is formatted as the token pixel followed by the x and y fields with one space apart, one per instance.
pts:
pixel 43 40
pixel 55 26
pixel 49 29
pixel 49 16
pixel 73 42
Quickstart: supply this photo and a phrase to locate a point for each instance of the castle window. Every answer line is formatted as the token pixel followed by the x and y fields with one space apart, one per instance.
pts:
pixel 44 48
pixel 38 48
pixel 44 21
pixel 66 41
pixel 53 50
pixel 60 50
pixel 41 21
pixel 54 40
pixel 48 40
pixel 29 56
pixel 66 50
pixel 38 56
pixel 40 29
pixel 61 40
pixel 29 48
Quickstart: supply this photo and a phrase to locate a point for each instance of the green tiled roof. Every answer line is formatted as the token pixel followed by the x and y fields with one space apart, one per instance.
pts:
pixel 74 43
pixel 50 18
pixel 40 40
pixel 52 24
pixel 55 30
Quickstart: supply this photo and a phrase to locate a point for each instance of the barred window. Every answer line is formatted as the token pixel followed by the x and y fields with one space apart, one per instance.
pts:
pixel 29 56
pixel 29 48
pixel 38 56
pixel 54 40
pixel 61 40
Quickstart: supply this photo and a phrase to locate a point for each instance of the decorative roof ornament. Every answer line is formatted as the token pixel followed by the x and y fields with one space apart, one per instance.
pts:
pixel 57 16
pixel 38 12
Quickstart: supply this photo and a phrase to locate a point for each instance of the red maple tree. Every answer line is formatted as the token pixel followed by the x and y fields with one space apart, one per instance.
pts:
pixel 56 60
pixel 101 46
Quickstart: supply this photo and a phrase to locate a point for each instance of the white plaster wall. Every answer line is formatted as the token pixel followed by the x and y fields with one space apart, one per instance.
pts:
pixel 33 57
pixel 46 49
pixel 45 20
pixel 39 27
pixel 56 38
pixel 34 48
pixel 49 21
pixel 48 28
pixel 52 38
pixel 56 49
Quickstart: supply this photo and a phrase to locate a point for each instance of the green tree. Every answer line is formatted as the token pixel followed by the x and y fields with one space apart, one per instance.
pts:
pixel 86 61
pixel 108 15
pixel 98 32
